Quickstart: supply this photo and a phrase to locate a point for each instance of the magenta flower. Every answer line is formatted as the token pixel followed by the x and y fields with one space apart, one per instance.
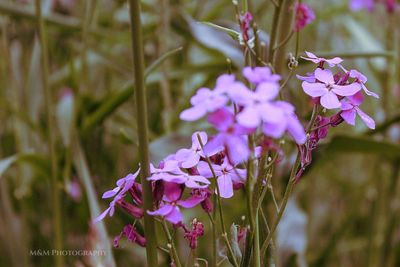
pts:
pixel 132 235
pixel 320 60
pixel 193 234
pixel 119 192
pixel 245 25
pixel 230 136
pixel 227 176
pixel 171 203
pixel 189 158
pixel 362 79
pixel 350 109
pixel 304 16
pixel 327 90
pixel 171 173
pixel 289 123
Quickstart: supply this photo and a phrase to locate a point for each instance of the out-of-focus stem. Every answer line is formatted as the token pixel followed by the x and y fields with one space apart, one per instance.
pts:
pixel 289 188
pixel 142 126
pixel 59 261
pixel 214 237
pixel 274 31
pixel 163 35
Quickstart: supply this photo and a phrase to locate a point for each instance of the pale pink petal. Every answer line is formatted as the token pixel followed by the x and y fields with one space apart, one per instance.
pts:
pixel 365 118
pixel 349 116
pixel 268 90
pixel 201 95
pixel 330 101
pixel 215 144
pixel 314 89
pixel 175 216
pixel 249 117
pixel 325 75
pixel 271 112
pixel 346 90
pixel 102 215
pixel 225 186
pixel 275 130
pixel 195 139
pixel 368 92
pixel 334 61
pixel 296 130
pixel 238 150
pixel 190 202
pixel 111 193
pixel 193 113
pixel 204 169
pixel 162 211
pixel 357 98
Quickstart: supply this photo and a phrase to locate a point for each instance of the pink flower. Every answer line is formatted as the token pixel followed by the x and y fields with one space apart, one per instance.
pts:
pixel 171 173
pixel 320 60
pixel 189 158
pixel 328 90
pixel 288 122
pixel 227 176
pixel 132 235
pixel 193 235
pixel 258 75
pixel 245 25
pixel 207 100
pixel 171 203
pixel 119 192
pixel 362 79
pixel 350 109
pixel 304 16
pixel 230 136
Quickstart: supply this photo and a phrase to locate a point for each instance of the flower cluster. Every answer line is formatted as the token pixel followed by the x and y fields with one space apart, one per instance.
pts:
pixel 341 89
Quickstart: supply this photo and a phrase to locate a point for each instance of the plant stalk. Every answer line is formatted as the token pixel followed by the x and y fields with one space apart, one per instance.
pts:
pixel 59 261
pixel 141 118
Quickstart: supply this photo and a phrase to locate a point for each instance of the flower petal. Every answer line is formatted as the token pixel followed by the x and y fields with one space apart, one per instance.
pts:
pixel 190 202
pixel 175 216
pixel 162 211
pixel 324 76
pixel 193 113
pixel 346 90
pixel 237 149
pixel 365 118
pixel 249 117
pixel 225 186
pixel 330 101
pixel 349 116
pixel 102 215
pixel 296 130
pixel 314 89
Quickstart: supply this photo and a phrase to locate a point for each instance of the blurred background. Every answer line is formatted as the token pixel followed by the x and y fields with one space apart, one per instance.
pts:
pixel 345 210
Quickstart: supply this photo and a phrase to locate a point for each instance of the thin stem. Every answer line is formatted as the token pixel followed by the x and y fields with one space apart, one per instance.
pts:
pixel 214 243
pixel 224 233
pixel 142 127
pixel 285 41
pixel 59 260
pixel 274 31
pixel 173 250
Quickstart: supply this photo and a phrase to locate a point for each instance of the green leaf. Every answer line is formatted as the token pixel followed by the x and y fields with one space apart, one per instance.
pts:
pixel 232 33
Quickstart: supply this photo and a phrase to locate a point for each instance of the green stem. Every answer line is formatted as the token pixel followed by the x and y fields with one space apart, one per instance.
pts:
pixel 141 119
pixel 173 250
pixel 274 31
pixel 59 260
pixel 224 233
pixel 214 243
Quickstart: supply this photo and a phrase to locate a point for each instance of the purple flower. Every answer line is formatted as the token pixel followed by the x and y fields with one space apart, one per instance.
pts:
pixel 227 176
pixel 304 16
pixel 258 75
pixel 171 203
pixel 230 136
pixel 119 192
pixel 320 60
pixel 350 109
pixel 362 79
pixel 207 100
pixel 189 158
pixel 289 122
pixel 170 172
pixel 357 5
pixel 328 90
